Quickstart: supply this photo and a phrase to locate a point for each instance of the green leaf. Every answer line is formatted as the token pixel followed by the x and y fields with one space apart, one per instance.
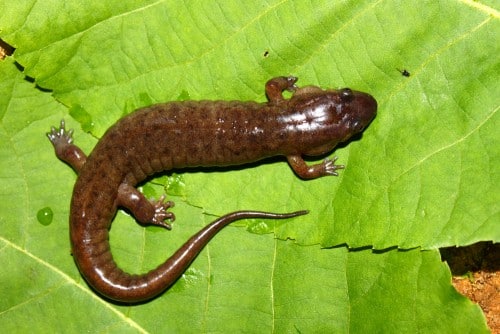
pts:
pixel 424 174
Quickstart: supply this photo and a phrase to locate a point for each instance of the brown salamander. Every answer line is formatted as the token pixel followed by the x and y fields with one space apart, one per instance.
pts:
pixel 194 133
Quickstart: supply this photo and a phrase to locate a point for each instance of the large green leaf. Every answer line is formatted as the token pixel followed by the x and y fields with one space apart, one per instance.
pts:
pixel 424 174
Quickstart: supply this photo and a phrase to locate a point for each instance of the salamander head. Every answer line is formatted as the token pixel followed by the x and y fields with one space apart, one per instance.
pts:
pixel 331 116
pixel 357 110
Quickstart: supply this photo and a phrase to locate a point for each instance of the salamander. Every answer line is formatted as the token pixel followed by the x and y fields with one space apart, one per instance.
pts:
pixel 176 135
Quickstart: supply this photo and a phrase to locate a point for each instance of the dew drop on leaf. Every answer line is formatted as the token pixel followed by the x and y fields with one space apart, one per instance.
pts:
pixel 44 216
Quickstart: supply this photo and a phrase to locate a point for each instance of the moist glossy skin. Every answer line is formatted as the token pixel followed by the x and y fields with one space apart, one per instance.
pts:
pixel 186 134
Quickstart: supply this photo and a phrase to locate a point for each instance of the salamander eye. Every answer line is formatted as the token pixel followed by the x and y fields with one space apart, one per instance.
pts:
pixel 346 95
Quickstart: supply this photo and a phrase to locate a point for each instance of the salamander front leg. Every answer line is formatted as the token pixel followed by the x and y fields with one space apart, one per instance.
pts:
pixel 276 86
pixel 327 167
pixel 145 211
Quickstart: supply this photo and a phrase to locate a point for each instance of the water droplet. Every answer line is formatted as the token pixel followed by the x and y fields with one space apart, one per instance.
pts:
pixel 44 216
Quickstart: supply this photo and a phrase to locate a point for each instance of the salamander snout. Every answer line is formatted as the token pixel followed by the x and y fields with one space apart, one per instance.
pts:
pixel 364 109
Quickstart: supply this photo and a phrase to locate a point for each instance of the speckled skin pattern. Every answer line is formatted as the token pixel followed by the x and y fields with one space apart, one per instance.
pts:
pixel 187 134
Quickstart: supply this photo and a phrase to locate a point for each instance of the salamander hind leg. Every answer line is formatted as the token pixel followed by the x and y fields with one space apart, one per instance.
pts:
pixel 62 141
pixel 146 212
pixel 161 213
